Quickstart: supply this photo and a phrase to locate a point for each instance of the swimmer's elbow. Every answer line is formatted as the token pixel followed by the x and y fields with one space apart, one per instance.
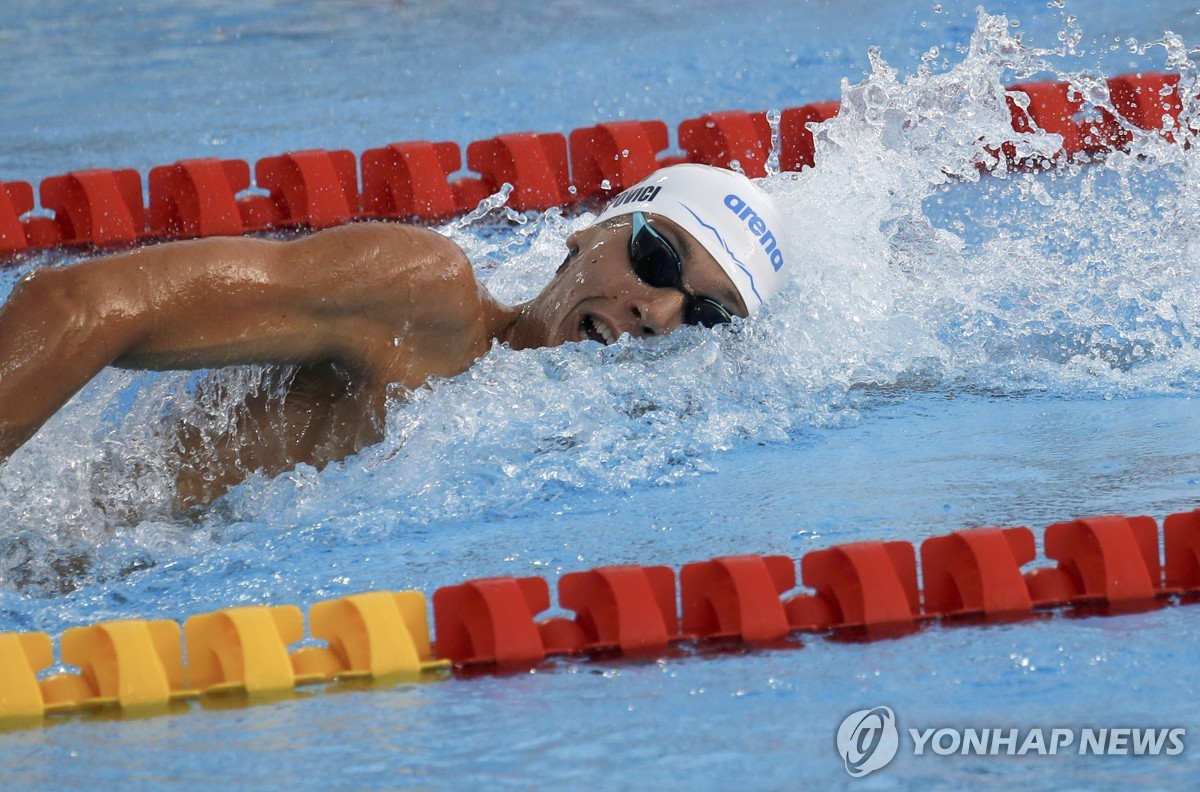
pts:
pixel 63 319
pixel 46 285
pixel 56 299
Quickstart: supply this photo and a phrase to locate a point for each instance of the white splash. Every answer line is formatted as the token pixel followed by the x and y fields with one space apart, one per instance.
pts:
pixel 914 270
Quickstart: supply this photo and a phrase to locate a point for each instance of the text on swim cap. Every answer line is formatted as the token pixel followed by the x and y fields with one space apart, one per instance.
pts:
pixel 758 227
pixel 636 194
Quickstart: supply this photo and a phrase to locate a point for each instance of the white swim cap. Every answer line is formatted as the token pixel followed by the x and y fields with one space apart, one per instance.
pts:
pixel 725 212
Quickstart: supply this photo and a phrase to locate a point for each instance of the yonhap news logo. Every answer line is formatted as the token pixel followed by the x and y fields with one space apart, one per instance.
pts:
pixel 869 740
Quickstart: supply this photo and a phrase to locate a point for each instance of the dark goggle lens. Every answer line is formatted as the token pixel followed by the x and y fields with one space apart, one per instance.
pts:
pixel 657 264
pixel 654 261
pixel 703 311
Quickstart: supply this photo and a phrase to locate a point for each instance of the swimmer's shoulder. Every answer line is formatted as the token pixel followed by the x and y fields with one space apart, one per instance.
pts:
pixel 385 242
pixel 417 308
pixel 379 261
pixel 397 272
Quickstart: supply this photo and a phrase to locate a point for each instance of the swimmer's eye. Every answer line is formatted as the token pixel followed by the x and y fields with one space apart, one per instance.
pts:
pixel 658 264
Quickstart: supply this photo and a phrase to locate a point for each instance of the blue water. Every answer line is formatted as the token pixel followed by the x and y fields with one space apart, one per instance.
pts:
pixel 953 352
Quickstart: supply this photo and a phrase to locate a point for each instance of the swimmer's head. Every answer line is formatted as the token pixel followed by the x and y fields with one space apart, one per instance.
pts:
pixel 735 221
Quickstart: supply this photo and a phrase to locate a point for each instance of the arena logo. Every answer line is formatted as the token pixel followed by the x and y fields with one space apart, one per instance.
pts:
pixel 758 227
pixel 869 740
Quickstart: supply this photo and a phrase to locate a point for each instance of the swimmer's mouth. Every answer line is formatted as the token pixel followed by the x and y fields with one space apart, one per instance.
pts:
pixel 593 329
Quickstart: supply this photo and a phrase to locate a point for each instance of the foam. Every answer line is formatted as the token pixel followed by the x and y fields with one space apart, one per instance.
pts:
pixel 914 274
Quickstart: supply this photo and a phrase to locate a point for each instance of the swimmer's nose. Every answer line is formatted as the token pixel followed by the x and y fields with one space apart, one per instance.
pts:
pixel 658 313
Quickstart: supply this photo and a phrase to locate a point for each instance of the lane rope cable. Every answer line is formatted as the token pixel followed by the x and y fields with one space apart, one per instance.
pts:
pixel 867 590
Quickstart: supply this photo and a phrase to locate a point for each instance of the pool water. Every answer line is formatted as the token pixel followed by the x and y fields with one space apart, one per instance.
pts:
pixel 955 351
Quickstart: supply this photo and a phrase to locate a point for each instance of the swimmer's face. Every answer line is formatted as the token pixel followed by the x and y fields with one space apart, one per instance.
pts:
pixel 598 296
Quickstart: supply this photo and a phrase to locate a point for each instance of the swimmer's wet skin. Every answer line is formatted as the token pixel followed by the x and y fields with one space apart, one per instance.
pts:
pixel 362 308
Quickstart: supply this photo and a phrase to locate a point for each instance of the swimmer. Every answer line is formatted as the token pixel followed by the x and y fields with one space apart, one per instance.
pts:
pixel 360 309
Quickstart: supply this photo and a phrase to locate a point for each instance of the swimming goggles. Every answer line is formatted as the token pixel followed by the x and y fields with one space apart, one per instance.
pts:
pixel 658 264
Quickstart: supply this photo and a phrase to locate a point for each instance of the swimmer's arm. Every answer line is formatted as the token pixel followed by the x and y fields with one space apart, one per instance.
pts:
pixel 336 296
